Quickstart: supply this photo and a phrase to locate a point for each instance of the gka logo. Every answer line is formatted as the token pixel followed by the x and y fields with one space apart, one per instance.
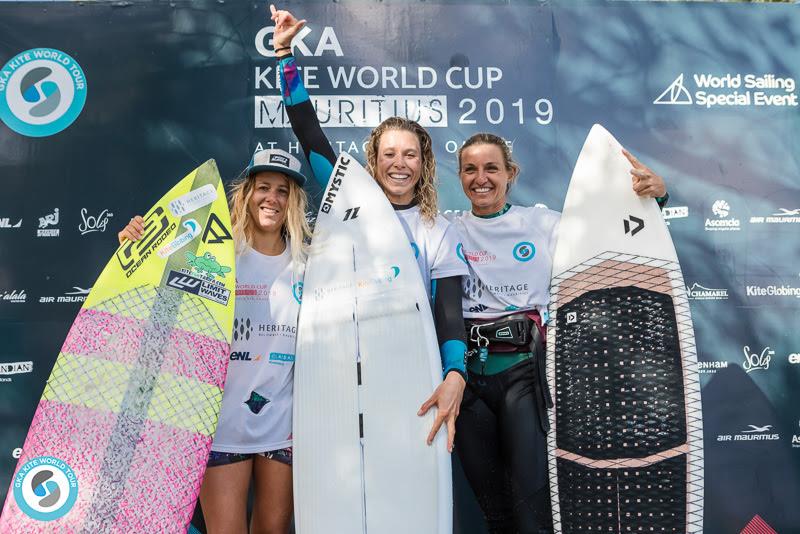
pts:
pixel 328 42
pixel 754 362
pixel 42 91
pixel 45 488
pixel 524 251
pixel 94 223
pixel 242 328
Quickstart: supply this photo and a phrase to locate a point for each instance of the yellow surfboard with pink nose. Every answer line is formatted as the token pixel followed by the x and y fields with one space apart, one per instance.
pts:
pixel 121 436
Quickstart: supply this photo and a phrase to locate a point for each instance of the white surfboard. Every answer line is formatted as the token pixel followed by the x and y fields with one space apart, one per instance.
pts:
pixel 367 358
pixel 625 448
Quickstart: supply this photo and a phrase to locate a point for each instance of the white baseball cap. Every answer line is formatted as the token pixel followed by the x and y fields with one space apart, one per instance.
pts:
pixel 277 160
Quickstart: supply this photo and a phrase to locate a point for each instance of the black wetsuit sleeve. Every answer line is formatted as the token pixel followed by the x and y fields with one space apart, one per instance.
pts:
pixel 449 320
pixel 305 123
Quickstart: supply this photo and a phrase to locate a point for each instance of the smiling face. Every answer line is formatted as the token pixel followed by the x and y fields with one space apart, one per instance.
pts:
pixel 398 165
pixel 268 201
pixel 485 177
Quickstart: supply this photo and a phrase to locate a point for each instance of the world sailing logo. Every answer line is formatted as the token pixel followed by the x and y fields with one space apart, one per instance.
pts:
pixel 676 93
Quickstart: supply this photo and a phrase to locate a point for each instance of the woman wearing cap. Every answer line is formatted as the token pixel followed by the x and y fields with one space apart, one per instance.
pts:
pixel 503 422
pixel 254 434
pixel 400 158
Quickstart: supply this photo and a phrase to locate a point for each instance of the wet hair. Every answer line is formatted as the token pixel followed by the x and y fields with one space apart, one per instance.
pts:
pixel 490 139
pixel 425 189
pixel 295 231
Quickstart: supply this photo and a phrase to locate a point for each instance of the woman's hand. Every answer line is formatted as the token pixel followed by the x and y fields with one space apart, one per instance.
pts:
pixel 286 27
pixel 646 183
pixel 447 399
pixel 133 231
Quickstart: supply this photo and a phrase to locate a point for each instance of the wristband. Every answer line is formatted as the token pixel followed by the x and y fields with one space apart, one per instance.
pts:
pixel 282 48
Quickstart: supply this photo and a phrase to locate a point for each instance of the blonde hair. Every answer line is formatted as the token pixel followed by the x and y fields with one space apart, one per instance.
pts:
pixel 295 231
pixel 490 139
pixel 425 190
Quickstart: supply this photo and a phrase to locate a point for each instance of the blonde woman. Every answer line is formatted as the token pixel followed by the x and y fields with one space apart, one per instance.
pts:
pixel 254 434
pixel 400 158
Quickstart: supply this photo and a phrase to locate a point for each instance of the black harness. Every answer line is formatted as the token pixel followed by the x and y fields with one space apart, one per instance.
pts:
pixel 514 333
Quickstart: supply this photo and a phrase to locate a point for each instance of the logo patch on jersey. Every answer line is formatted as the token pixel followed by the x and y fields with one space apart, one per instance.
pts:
pixel 460 253
pixel 256 402
pixel 524 251
pixel 297 292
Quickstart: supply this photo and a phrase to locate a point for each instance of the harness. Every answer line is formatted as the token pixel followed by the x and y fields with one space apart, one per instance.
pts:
pixel 514 333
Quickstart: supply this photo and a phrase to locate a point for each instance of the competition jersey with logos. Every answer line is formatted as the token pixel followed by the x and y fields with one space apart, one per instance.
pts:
pixel 256 411
pixel 510 258
pixel 435 246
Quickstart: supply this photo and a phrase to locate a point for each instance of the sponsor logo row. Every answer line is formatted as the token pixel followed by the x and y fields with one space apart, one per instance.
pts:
pixel 189 283
pixel 759 433
pixel 723 218
pixel 49 224
pixel 753 360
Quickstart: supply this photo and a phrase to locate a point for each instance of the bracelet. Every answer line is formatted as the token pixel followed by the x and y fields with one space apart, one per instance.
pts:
pixel 282 48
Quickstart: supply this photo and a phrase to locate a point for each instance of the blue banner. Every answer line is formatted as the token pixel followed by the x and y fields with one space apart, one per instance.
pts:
pixel 104 105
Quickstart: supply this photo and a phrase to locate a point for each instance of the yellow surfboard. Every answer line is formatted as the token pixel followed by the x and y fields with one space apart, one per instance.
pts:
pixel 121 436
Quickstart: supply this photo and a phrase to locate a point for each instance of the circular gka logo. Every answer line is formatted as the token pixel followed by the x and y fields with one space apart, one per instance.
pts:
pixel 42 91
pixel 45 488
pixel 524 251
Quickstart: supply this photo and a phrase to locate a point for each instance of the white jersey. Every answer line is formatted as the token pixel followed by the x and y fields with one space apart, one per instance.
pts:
pixel 256 411
pixel 510 259
pixel 436 247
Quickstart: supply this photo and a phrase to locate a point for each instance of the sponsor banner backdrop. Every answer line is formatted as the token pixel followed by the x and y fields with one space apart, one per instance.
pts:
pixel 96 125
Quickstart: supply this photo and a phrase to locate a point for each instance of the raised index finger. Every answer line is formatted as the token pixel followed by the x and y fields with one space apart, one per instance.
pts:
pixel 272 9
pixel 635 162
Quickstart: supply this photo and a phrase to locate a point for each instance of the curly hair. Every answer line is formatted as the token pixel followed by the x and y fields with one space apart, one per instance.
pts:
pixel 295 231
pixel 484 138
pixel 425 191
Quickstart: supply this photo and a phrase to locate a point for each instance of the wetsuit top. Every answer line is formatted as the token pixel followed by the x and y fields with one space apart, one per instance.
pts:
pixel 256 411
pixel 435 246
pixel 510 257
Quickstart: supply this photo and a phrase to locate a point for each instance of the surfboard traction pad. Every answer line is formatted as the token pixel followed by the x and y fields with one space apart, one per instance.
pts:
pixel 131 405
pixel 624 445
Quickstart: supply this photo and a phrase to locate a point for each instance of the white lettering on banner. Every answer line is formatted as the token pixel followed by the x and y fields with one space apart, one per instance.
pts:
pixel 357 111
pixel 16 453
pixel 367 77
pixel 473 77
pixel 732 90
pixel 773 291
pixel 328 42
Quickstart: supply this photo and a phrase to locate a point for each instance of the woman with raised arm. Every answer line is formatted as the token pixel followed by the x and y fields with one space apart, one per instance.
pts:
pixel 400 158
pixel 501 438
pixel 253 440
